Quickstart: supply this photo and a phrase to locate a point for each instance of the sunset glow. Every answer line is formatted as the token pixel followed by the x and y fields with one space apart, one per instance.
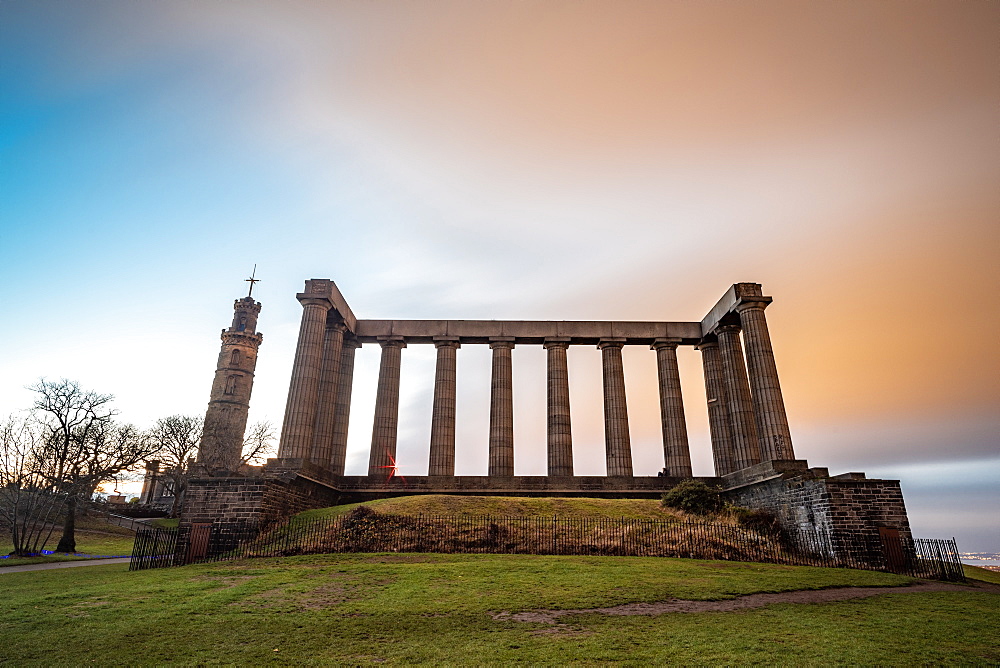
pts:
pixel 531 160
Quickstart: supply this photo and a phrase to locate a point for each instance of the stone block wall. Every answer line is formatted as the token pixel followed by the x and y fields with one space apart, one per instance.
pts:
pixel 233 504
pixel 846 512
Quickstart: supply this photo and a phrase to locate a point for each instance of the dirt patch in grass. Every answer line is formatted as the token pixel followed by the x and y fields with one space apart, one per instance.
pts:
pixel 402 559
pixel 224 581
pixel 743 565
pixel 740 603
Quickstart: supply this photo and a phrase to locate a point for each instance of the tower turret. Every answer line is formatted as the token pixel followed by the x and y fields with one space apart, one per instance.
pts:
pixel 226 418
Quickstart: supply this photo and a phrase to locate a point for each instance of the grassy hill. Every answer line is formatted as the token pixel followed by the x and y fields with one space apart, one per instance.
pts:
pixel 512 506
pixel 449 609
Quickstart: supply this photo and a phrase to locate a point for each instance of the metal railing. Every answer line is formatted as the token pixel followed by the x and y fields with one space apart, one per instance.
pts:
pixel 372 532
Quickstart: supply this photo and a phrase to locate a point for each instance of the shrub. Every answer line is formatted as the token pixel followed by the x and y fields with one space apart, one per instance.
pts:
pixel 693 496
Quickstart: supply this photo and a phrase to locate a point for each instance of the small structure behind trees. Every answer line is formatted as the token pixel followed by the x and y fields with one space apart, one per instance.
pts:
pixel 180 437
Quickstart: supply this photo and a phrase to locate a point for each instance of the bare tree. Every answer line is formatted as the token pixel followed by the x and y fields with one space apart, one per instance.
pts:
pixel 258 443
pixel 83 446
pixel 178 437
pixel 28 502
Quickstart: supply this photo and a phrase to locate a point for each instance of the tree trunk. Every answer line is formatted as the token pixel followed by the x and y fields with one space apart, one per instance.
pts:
pixel 175 509
pixel 67 542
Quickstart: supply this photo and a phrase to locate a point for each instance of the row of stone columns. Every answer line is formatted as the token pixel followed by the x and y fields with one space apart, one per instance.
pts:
pixel 746 412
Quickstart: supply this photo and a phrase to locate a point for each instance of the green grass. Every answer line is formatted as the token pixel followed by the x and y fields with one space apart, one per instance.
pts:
pixel 516 506
pixel 981 574
pixel 165 523
pixel 435 608
pixel 93 537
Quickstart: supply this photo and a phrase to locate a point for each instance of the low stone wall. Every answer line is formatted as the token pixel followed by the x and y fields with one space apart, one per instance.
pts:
pixel 849 509
pixel 258 500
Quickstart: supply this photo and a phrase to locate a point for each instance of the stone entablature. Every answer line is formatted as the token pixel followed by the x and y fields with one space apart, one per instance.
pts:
pixel 528 332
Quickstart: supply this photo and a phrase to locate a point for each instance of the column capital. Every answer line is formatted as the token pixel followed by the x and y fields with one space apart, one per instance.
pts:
pixel 752 302
pixel 616 342
pixel 670 344
pixel 502 342
pixel 726 329
pixel 351 343
pixel 446 342
pixel 556 342
pixel 392 341
pixel 322 302
pixel 707 344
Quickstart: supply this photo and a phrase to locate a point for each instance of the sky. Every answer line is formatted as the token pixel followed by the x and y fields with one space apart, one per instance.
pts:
pixel 548 160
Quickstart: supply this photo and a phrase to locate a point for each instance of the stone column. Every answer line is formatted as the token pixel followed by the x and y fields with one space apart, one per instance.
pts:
pixel 342 406
pixel 769 408
pixel 618 447
pixel 718 409
pixel 322 447
pixel 303 391
pixel 734 374
pixel 501 409
pixel 560 436
pixel 442 455
pixel 386 423
pixel 676 452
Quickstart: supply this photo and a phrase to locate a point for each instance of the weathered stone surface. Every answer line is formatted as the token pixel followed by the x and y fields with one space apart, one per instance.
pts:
pixel 501 462
pixel 734 374
pixel 617 441
pixel 527 331
pixel 303 391
pixel 333 343
pixel 385 426
pixel 847 510
pixel 559 434
pixel 342 406
pixel 720 428
pixel 676 453
pixel 442 451
pixel 769 408
pixel 229 401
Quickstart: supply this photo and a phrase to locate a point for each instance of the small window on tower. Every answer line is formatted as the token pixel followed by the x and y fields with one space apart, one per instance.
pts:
pixel 231 385
pixel 243 324
pixel 234 359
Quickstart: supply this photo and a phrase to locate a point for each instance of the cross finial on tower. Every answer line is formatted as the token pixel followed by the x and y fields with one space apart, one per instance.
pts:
pixel 252 280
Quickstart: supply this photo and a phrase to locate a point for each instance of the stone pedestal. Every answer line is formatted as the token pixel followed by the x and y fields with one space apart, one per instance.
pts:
pixel 385 427
pixel 676 452
pixel 559 432
pixel 442 452
pixel 618 446
pixel 501 410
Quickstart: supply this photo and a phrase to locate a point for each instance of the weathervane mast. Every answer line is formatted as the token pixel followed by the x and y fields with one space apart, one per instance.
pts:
pixel 252 280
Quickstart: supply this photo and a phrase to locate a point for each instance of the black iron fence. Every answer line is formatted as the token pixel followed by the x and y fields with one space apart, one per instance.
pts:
pixel 372 532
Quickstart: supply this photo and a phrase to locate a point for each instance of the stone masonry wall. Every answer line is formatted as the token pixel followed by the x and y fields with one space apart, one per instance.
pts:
pixel 246 501
pixel 847 512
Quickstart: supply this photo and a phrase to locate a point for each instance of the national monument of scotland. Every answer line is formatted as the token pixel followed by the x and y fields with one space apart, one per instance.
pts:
pixel 752 447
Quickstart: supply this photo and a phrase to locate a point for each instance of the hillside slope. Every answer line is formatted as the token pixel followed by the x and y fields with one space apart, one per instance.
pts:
pixel 509 506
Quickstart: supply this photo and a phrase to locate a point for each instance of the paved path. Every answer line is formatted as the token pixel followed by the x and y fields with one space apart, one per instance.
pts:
pixel 64 564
